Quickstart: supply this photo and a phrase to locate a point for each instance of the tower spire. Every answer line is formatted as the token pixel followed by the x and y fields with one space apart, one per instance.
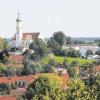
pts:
pixel 18 18
pixel 18 14
pixel 18 30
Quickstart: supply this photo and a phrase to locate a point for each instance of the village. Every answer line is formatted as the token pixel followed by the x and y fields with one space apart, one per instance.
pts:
pixel 49 50
pixel 32 68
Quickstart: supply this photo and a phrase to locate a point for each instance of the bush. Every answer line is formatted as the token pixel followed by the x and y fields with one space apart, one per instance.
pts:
pixel 75 90
pixel 74 63
pixel 9 72
pixel 45 86
pixel 19 72
pixel 27 71
pixel 19 84
pixel 4 88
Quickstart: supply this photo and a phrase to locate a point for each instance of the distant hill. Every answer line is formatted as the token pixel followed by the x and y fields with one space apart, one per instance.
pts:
pixel 89 39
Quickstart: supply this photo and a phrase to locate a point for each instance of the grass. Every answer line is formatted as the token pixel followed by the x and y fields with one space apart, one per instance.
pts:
pixel 60 59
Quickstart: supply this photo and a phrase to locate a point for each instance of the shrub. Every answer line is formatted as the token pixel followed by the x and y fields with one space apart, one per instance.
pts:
pixel 45 86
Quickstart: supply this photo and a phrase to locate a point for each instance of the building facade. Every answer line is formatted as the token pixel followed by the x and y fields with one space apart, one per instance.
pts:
pixel 23 39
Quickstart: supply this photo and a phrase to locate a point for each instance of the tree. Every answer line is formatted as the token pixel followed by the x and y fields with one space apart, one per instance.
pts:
pixel 75 90
pixel 27 71
pixel 53 44
pixel 45 86
pixel 68 40
pixel 99 44
pixel 10 71
pixel 3 44
pixel 4 88
pixel 74 63
pixel 65 63
pixel 19 72
pixel 73 53
pixel 92 86
pixel 60 37
pixel 88 52
pixel 4 56
pixel 40 49
pixel 97 52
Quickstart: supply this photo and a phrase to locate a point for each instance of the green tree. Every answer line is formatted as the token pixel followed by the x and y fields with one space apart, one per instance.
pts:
pixel 68 40
pixel 92 87
pixel 10 71
pixel 53 44
pixel 99 44
pixel 97 52
pixel 73 53
pixel 75 90
pixel 45 86
pixel 3 43
pixel 88 52
pixel 40 49
pixel 27 70
pixel 4 88
pixel 60 37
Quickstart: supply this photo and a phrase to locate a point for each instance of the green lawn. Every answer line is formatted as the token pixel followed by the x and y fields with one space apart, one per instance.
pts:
pixel 59 59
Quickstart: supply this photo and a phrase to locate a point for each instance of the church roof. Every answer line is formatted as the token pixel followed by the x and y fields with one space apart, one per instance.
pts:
pixel 28 36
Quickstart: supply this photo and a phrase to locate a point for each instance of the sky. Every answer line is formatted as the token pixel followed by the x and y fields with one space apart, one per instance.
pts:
pixel 76 18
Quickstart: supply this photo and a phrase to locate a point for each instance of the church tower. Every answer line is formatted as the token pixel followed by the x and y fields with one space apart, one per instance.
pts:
pixel 18 31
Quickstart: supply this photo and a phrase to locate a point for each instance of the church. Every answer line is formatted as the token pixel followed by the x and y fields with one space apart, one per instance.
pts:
pixel 23 39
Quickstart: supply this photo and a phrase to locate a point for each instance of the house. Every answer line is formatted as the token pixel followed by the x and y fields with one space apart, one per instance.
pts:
pixel 94 57
pixel 26 39
pixel 21 39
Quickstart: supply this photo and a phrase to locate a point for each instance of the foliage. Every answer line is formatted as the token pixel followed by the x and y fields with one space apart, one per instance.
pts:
pixel 48 68
pixel 9 72
pixel 20 98
pixel 18 84
pixel 60 59
pixel 65 63
pixel 74 63
pixel 73 53
pixel 37 69
pixel 4 88
pixel 60 37
pixel 4 56
pixel 2 67
pixel 88 52
pixel 52 62
pixel 97 52
pixel 27 70
pixel 3 44
pixel 60 52
pixel 45 86
pixel 40 49
pixel 75 90
pixel 53 44
pixel 87 69
pixel 93 87
pixel 99 44
pixel 19 71
pixel 68 40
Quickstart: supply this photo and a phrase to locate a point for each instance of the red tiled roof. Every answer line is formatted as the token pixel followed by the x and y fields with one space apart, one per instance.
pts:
pixel 97 68
pixel 16 58
pixel 33 35
pixel 29 79
pixel 7 98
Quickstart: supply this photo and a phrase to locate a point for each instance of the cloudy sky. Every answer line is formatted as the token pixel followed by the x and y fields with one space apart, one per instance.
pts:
pixel 76 18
